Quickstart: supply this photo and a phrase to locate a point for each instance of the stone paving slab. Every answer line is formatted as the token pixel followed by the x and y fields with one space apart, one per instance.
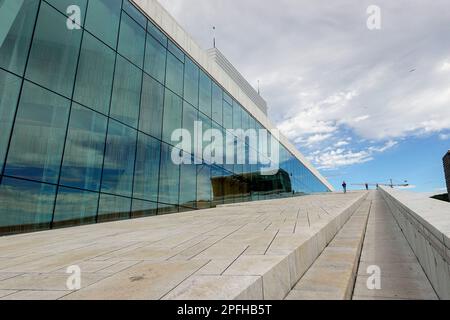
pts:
pixel 46 281
pixel 274 271
pixel 332 275
pixel 203 287
pixel 410 288
pixel 230 252
pixel 4 293
pixel 146 280
pixel 385 246
pixel 8 275
pixel 394 269
pixel 36 295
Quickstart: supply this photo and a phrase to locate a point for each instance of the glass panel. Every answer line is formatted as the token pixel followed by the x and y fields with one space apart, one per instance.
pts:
pixel 135 13
pixel 190 115
pixel 203 186
pixel 126 92
pixel 38 137
pixel 9 93
pixel 26 206
pixel 95 74
pixel 154 31
pixel 227 116
pixel 218 152
pixel 85 144
pixel 188 185
pixel 258 125
pixel 252 123
pixel 167 209
pixel 155 59
pixel 152 104
pixel 245 120
pixel 113 208
pixel 143 209
pixel 174 76
pixel 206 125
pixel 103 20
pixel 172 115
pixel 217 183
pixel 191 82
pixel 63 5
pixel 176 51
pixel 205 94
pixel 230 149
pixel 217 102
pixel 254 181
pixel 119 159
pixel 75 207
pixel 16 28
pixel 132 40
pixel 147 168
pixel 54 53
pixel 169 177
pixel 227 98
pixel 237 116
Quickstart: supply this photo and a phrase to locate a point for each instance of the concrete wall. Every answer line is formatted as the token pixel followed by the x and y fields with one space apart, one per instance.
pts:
pixel 425 222
pixel 161 17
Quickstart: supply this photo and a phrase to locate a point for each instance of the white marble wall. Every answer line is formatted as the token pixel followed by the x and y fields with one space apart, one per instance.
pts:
pixel 425 222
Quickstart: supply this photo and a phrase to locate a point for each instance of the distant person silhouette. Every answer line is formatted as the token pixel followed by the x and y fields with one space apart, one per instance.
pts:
pixel 344 186
pixel 367 187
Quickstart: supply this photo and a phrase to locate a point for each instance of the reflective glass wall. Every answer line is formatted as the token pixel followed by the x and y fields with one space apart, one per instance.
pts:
pixel 87 109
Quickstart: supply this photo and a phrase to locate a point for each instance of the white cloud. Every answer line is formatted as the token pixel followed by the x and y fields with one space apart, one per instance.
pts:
pixel 342 143
pixel 444 136
pixel 445 66
pixel 316 138
pixel 340 158
pixel 305 122
pixel 333 158
pixel 323 73
pixel 385 147
pixel 361 118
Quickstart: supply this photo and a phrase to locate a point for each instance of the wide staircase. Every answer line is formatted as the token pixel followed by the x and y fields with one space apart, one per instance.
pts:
pixel 370 245
pixel 384 244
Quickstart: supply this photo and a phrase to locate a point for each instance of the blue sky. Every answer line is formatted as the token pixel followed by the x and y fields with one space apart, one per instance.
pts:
pixel 418 160
pixel 362 105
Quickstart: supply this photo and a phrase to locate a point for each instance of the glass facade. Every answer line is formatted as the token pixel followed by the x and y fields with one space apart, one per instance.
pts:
pixel 86 118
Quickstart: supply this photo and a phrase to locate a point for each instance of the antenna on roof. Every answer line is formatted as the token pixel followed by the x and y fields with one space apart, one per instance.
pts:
pixel 214 36
pixel 259 91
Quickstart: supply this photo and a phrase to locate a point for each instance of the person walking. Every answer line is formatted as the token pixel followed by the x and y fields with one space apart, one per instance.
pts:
pixel 344 186
pixel 367 186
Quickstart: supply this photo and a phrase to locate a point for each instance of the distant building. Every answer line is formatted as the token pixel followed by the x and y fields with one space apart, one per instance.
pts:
pixel 447 171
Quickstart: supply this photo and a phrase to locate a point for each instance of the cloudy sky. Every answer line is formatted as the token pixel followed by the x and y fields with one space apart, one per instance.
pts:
pixel 363 105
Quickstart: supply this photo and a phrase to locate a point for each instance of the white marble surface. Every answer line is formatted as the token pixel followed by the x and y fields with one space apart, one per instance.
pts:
pixel 425 222
pixel 253 250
